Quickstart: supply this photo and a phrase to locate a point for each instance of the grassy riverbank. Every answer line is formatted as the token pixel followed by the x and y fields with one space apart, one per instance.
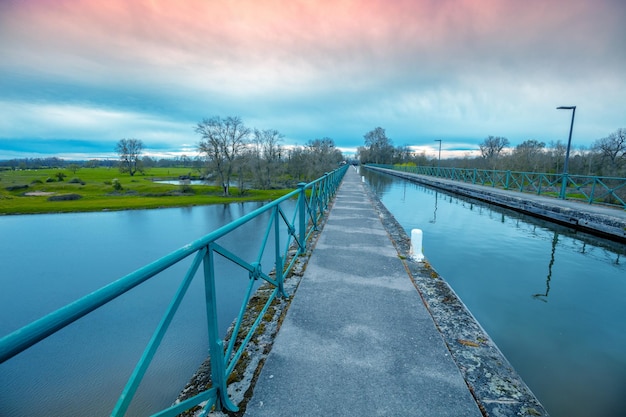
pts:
pixel 98 189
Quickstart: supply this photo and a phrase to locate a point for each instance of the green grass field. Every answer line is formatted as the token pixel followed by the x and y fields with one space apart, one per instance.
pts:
pixel 29 191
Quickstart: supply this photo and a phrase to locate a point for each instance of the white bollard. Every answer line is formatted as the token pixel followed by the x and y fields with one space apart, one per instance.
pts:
pixel 416 245
pixel 362 179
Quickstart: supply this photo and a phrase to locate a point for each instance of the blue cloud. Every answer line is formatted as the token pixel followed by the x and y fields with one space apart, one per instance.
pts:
pixel 54 146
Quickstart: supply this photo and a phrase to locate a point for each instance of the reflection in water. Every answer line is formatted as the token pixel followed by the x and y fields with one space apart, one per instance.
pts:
pixel 434 220
pixel 568 350
pixel 544 297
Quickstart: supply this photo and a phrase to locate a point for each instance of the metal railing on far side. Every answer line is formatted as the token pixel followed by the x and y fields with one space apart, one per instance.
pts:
pixel 590 189
pixel 290 234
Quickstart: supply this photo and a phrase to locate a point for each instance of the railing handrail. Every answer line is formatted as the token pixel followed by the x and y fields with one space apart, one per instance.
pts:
pixel 309 210
pixel 588 188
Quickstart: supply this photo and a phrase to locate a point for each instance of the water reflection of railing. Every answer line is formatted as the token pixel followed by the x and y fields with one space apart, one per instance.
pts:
pixel 591 246
pixel 544 296
pixel 590 189
pixel 313 199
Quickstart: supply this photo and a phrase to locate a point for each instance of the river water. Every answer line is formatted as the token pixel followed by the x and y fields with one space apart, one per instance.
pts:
pixel 50 260
pixel 553 300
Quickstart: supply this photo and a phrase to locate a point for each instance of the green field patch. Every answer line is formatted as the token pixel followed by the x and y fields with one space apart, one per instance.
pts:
pixel 32 191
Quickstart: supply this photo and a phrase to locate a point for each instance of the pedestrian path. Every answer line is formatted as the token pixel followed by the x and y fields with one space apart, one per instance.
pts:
pixel 357 339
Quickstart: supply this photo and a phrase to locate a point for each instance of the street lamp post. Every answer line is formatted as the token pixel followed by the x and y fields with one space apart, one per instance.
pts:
pixel 569 144
pixel 439 159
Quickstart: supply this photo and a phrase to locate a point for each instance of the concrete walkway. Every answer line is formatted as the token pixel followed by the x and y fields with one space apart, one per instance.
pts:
pixel 357 339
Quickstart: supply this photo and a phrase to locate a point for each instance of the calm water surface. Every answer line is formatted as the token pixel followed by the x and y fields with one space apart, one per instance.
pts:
pixel 48 261
pixel 553 300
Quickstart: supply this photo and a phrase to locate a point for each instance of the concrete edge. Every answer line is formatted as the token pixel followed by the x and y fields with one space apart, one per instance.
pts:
pixel 595 223
pixel 495 385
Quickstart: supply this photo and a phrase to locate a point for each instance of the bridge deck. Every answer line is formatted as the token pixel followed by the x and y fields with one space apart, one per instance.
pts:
pixel 358 339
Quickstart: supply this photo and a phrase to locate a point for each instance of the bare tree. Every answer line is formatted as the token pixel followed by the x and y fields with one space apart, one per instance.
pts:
pixel 613 149
pixel 491 148
pixel 322 156
pixel 402 154
pixel 527 156
pixel 223 140
pixel 558 150
pixel 267 153
pixel 380 147
pixel 297 163
pixel 129 151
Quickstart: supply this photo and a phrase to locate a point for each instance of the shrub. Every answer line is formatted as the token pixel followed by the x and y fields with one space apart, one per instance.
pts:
pixel 36 182
pixel 65 197
pixel 16 187
pixel 116 184
pixel 186 189
pixel 76 181
pixel 60 175
pixel 50 179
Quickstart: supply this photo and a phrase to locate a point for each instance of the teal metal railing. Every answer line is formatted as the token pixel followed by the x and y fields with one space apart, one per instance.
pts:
pixel 312 204
pixel 590 189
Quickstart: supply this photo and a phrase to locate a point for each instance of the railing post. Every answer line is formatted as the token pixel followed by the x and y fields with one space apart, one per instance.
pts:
pixel 279 258
pixel 563 186
pixel 312 207
pixel 216 346
pixel 506 181
pixel 325 190
pixel 302 216
pixel 593 190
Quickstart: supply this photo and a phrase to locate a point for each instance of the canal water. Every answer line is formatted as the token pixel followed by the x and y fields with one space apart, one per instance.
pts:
pixel 552 299
pixel 50 260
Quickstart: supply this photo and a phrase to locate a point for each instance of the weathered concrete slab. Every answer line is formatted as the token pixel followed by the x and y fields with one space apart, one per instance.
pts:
pixel 358 339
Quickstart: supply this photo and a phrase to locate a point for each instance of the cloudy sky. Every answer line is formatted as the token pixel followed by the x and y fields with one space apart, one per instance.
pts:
pixel 78 75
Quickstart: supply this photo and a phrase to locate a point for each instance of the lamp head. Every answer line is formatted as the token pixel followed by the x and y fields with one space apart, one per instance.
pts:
pixel 566 108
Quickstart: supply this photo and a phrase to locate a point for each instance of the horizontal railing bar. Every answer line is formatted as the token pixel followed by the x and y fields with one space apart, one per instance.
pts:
pixel 21 339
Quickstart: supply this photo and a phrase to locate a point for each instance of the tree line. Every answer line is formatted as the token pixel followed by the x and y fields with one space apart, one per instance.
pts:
pixel 231 153
pixel 234 153
pixel 605 157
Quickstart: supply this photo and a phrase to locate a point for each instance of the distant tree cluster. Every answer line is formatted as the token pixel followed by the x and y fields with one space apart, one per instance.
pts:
pixel 236 154
pixel 129 151
pixel 606 156
pixel 379 149
pixel 33 163
pixel 74 165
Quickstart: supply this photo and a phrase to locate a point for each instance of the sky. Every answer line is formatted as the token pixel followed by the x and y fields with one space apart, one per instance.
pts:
pixel 76 76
